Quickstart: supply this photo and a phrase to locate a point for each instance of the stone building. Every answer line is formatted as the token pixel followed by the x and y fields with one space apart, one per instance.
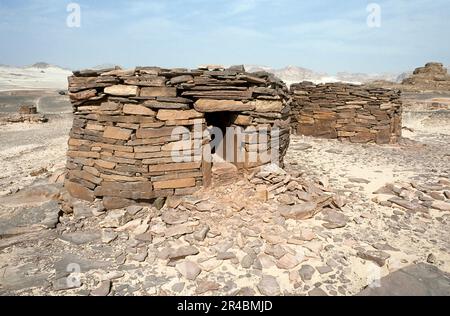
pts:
pixel 149 132
pixel 360 114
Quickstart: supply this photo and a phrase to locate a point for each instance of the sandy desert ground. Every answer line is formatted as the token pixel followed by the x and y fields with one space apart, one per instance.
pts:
pixel 225 240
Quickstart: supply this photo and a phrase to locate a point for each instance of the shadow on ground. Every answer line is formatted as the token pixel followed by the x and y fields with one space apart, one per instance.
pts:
pixel 416 280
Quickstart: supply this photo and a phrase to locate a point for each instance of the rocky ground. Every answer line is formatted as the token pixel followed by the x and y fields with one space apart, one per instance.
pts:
pixel 315 228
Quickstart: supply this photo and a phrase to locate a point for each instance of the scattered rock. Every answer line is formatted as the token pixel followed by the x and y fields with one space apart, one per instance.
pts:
pixel 115 219
pixel 178 287
pixel 317 292
pixel 287 262
pixel 306 272
pixel 178 230
pixel 431 258
pixel 324 270
pixel 188 269
pixel 81 237
pixel 173 217
pixel 183 252
pixel 206 286
pixel 441 206
pixel 268 286
pixel 379 257
pixel 334 219
pixel 247 261
pixel 226 256
pixel 300 211
pixel 140 256
pixel 103 289
pixel 134 209
pixel 201 234
pixel 412 206
pixel 307 235
pixel 159 203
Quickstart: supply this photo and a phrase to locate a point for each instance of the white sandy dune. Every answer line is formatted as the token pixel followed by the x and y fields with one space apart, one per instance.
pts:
pixel 31 78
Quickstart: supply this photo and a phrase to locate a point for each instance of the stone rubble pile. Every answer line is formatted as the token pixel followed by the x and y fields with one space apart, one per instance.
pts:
pixel 252 224
pixel 298 198
pixel 345 111
pixel 432 76
pixel 416 197
pixel 25 114
pixel 125 128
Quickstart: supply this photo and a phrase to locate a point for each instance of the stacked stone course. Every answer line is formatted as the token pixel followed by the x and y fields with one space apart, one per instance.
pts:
pixel 126 126
pixel 356 113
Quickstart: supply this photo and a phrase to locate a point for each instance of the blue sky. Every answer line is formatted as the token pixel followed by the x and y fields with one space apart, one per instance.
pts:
pixel 323 35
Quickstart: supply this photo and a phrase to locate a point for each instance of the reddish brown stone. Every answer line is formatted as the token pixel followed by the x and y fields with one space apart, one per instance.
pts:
pixel 78 191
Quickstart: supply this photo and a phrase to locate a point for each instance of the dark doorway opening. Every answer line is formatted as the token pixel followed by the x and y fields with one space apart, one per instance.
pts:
pixel 222 121
pixel 224 146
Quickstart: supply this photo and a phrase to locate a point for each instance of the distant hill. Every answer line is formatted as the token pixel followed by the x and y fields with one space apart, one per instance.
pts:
pixel 41 65
pixel 291 74
pixel 365 78
pixel 104 66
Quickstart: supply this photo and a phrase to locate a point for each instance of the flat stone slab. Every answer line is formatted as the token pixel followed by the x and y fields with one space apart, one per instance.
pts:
pixel 82 237
pixel 416 280
pixel 29 219
pixel 18 278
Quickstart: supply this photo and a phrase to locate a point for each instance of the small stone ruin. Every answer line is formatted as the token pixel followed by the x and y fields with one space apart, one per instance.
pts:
pixel 351 112
pixel 149 132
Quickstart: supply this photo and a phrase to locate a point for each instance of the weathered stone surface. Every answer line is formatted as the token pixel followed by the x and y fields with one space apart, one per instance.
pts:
pixel 183 252
pixel 81 237
pixel 188 269
pixel 379 257
pixel 299 211
pixel 412 206
pixel 122 90
pixel 158 92
pixel 20 220
pixel 441 205
pixel 136 109
pixel 173 217
pixel 200 234
pixel 170 115
pixel 114 203
pixel 334 219
pixel 356 113
pixel 78 191
pixel 317 292
pixel 129 123
pixel 268 286
pixel 115 219
pixel 103 289
pixel 265 106
pixel 287 262
pixel 117 133
pixel 210 105
pixel 415 280
pixel 178 230
pixel 174 184
pixel 306 272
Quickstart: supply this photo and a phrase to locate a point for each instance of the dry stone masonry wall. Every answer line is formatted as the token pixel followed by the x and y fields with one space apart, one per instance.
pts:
pixel 127 125
pixel 345 111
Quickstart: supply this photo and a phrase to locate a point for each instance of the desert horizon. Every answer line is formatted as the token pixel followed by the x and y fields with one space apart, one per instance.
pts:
pixel 312 159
